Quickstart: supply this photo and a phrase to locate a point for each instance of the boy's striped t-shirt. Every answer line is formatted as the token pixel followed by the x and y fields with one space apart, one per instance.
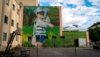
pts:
pixel 40 27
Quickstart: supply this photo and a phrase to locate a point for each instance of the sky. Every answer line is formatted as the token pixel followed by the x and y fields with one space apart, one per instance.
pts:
pixel 83 13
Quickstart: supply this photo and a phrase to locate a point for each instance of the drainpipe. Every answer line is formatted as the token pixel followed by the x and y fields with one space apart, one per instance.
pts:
pixel 10 17
pixel 21 21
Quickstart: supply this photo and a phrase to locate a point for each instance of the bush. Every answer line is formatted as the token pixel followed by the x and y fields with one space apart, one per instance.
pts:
pixel 94 34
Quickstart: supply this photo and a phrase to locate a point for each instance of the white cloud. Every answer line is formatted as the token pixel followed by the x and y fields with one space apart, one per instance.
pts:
pixel 79 16
pixel 96 3
pixel 47 1
pixel 76 2
pixel 55 4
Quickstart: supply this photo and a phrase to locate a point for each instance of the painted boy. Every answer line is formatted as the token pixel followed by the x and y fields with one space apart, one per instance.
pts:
pixel 40 25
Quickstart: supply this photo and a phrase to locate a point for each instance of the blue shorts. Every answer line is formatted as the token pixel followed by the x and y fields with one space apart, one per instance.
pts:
pixel 40 38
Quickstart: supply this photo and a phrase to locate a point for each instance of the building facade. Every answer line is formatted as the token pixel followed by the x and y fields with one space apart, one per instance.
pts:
pixel 95 25
pixel 11 18
pixel 29 2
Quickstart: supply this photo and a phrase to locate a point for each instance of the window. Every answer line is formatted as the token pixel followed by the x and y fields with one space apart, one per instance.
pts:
pixel 4 36
pixel 12 22
pixel 13 7
pixel 16 38
pixel 7 2
pixel 6 19
pixel 18 11
pixel 17 25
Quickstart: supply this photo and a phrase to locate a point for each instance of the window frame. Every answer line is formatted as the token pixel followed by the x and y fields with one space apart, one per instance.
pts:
pixel 12 22
pixel 13 7
pixel 6 19
pixel 4 36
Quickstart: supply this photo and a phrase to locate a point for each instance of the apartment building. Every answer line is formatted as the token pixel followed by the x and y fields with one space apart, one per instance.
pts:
pixel 11 18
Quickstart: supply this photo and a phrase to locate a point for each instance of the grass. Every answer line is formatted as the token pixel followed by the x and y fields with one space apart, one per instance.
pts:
pixel 71 36
pixel 68 41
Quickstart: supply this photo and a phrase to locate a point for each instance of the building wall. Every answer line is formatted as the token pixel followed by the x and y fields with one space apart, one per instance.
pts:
pixel 8 28
pixel 87 40
pixel 0 9
pixel 15 18
pixel 7 10
pixel 29 2
pixel 0 19
pixel 5 27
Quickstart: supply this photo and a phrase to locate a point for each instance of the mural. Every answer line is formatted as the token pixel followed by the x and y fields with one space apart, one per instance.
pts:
pixel 40 23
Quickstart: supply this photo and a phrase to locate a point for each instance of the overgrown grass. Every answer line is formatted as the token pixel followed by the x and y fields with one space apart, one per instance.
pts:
pixel 71 36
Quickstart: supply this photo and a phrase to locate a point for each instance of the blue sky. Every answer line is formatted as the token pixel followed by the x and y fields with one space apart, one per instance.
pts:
pixel 76 12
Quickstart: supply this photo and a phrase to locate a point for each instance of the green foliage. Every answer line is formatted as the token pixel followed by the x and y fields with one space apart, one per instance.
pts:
pixel 27 29
pixel 27 44
pixel 29 15
pixel 55 31
pixel 94 34
pixel 71 36
pixel 25 37
pixel 59 42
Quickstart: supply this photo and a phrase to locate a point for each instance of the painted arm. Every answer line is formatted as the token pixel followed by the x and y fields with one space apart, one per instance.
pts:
pixel 47 20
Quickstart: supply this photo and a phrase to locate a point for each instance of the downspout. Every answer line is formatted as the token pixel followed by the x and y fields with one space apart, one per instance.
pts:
pixel 10 17
pixel 21 20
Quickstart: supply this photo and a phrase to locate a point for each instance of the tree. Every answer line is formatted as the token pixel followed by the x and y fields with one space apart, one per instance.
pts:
pixel 94 34
pixel 29 15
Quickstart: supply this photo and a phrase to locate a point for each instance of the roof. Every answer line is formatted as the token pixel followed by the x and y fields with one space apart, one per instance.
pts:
pixel 98 23
pixel 95 24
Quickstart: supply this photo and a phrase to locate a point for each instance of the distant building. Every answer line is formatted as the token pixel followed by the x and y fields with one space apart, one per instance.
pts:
pixel 70 28
pixel 95 25
pixel 11 18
